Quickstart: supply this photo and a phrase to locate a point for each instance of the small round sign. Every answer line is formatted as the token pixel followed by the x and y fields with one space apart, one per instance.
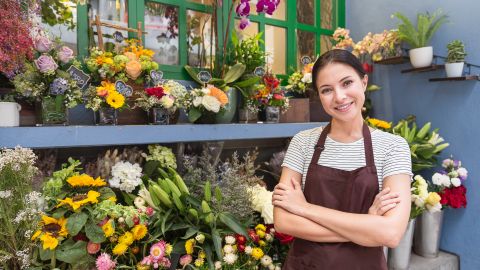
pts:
pixel 118 36
pixel 156 76
pixel 259 71
pixel 204 76
pixel 306 60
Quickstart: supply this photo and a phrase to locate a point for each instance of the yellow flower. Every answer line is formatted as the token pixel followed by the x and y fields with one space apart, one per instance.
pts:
pixel 257 253
pixel 379 123
pixel 433 198
pixel 112 199
pixel 108 228
pixel 85 180
pixel 80 200
pixel 105 89
pixel 261 227
pixel 166 89
pixel 120 249
pixel 115 100
pixel 49 242
pixel 199 262
pixel 189 246
pixel 108 61
pixel 133 69
pixel 262 243
pixel 168 249
pixel 147 52
pixel 261 233
pixel 139 231
pixel 126 238
pixel 201 254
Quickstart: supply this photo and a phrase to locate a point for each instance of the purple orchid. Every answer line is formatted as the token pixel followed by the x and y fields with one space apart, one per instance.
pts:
pixel 244 22
pixel 243 8
pixel 267 6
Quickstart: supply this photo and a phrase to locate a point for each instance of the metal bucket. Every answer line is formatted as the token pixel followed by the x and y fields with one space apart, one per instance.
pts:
pixel 399 257
pixel 428 230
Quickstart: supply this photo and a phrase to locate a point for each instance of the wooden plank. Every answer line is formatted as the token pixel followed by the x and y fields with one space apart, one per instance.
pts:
pixel 393 60
pixel 463 78
pixel 424 69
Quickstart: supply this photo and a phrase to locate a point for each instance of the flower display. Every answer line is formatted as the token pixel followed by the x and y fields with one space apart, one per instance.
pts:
pixel 262 6
pixel 104 95
pixel 125 176
pixel 207 100
pixel 300 82
pixel 270 94
pixel 449 183
pixel 169 95
pixel 51 232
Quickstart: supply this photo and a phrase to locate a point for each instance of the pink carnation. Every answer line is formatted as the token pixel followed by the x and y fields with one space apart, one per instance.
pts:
pixel 104 262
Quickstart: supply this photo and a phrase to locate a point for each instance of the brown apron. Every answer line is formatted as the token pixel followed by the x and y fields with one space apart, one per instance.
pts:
pixel 347 191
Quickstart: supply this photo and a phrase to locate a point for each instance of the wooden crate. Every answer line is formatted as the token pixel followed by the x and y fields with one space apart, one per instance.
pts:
pixel 298 112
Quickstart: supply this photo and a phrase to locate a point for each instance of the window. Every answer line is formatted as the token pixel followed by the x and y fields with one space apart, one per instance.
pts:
pixel 181 32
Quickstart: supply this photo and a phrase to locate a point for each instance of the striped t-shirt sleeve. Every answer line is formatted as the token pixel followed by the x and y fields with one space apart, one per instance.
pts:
pixel 295 156
pixel 398 159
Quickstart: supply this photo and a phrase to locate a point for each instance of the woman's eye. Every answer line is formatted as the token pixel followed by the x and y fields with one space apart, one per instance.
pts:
pixel 347 82
pixel 325 90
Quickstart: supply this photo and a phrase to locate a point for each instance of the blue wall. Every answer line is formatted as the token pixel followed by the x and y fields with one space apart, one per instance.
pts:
pixel 453 107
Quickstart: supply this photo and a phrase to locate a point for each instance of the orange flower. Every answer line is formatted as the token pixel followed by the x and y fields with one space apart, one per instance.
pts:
pixel 105 89
pixel 133 69
pixel 218 94
pixel 132 56
pixel 308 68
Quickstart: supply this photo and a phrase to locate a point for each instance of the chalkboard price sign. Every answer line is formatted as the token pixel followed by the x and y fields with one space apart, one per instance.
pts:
pixel 259 71
pixel 124 89
pixel 156 76
pixel 306 60
pixel 117 35
pixel 79 76
pixel 204 76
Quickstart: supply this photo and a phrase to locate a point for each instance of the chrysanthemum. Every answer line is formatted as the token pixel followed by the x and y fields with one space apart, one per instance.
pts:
pixel 230 258
pixel 157 251
pixel 139 231
pixel 199 262
pixel 379 123
pixel 51 231
pixel 85 180
pixel 80 200
pixel 104 262
pixel 257 253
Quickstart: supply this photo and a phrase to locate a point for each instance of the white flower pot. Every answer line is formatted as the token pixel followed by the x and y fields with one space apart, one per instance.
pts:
pixel 454 69
pixel 421 57
pixel 9 114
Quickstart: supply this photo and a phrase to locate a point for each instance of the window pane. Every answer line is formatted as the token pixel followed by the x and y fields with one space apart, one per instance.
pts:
pixel 327 11
pixel 200 42
pixel 306 11
pixel 279 13
pixel 68 37
pixel 205 2
pixel 249 31
pixel 305 45
pixel 325 44
pixel 111 11
pixel 275 47
pixel 161 25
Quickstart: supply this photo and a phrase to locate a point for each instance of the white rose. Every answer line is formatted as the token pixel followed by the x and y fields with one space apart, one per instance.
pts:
pixel 307 78
pixel 211 104
pixel 197 101
pixel 437 179
pixel 456 182
pixel 167 102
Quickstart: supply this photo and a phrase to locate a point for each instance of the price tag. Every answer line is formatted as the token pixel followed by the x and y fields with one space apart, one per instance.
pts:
pixel 204 76
pixel 124 89
pixel 259 71
pixel 306 60
pixel 79 76
pixel 156 76
pixel 118 36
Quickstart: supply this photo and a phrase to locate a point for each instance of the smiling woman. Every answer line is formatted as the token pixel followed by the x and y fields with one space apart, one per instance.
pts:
pixel 344 191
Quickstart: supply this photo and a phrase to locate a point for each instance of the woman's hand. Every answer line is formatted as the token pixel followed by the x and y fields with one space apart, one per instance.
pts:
pixel 384 201
pixel 290 197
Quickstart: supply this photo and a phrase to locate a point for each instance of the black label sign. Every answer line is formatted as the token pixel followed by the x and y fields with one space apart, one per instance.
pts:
pixel 156 76
pixel 79 76
pixel 306 60
pixel 118 36
pixel 204 76
pixel 124 89
pixel 259 71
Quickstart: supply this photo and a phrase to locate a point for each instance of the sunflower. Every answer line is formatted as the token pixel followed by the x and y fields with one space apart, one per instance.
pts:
pixel 85 180
pixel 79 200
pixel 115 100
pixel 379 123
pixel 52 230
pixel 218 94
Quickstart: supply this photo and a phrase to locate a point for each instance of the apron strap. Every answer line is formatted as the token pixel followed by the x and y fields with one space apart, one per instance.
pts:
pixel 367 143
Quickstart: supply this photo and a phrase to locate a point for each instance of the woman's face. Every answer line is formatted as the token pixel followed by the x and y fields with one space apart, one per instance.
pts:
pixel 341 91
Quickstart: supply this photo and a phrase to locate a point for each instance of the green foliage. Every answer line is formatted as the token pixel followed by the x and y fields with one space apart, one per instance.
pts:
pixel 456 52
pixel 248 52
pixel 420 35
pixel 57 12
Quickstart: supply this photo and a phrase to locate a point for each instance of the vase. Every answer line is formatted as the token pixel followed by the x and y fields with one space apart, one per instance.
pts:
pixel 230 109
pixel 298 111
pixel 52 111
pixel 9 114
pixel 428 230
pixel 159 116
pixel 421 57
pixel 272 114
pixel 206 118
pixel 399 257
pixel 106 116
pixel 454 69
pixel 247 116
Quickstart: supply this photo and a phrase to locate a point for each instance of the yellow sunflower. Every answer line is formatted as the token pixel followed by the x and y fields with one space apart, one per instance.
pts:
pixel 85 180
pixel 80 200
pixel 139 231
pixel 51 231
pixel 115 100
pixel 379 123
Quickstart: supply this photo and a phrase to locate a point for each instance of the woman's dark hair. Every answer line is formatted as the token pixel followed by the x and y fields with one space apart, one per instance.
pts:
pixel 336 56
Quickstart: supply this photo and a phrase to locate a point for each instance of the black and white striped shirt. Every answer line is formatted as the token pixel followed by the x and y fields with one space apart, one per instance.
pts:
pixel 391 154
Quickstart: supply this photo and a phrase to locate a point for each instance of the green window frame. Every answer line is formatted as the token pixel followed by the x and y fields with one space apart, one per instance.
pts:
pixel 136 11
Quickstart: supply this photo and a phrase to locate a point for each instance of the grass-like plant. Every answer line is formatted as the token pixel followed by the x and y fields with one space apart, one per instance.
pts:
pixel 427 25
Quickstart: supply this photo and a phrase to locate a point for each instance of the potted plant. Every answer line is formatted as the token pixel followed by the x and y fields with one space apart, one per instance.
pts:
pixel 421 55
pixel 272 98
pixel 455 59
pixel 105 101
pixel 9 112
pixel 204 104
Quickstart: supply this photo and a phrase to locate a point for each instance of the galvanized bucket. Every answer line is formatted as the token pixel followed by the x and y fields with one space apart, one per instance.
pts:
pixel 428 230
pixel 399 257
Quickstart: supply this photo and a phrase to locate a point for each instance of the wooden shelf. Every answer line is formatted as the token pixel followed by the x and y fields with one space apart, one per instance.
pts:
pixel 463 78
pixel 393 60
pixel 424 69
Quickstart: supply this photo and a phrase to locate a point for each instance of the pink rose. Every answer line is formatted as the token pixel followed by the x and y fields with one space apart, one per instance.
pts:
pixel 65 54
pixel 43 44
pixel 46 64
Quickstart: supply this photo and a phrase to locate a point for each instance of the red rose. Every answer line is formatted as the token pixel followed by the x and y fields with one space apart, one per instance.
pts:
pixel 284 238
pixel 155 91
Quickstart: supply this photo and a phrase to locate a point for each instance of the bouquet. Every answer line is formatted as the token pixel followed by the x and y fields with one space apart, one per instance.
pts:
pixel 168 95
pixel 300 82
pixel 46 77
pixel 207 101
pixel 270 94
pixel 104 96
pixel 422 199
pixel 132 62
pixel 449 184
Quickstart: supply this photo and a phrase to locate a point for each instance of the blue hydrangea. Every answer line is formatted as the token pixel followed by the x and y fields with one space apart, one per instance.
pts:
pixel 59 86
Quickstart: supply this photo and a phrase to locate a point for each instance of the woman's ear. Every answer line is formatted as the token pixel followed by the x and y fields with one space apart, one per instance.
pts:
pixel 365 82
